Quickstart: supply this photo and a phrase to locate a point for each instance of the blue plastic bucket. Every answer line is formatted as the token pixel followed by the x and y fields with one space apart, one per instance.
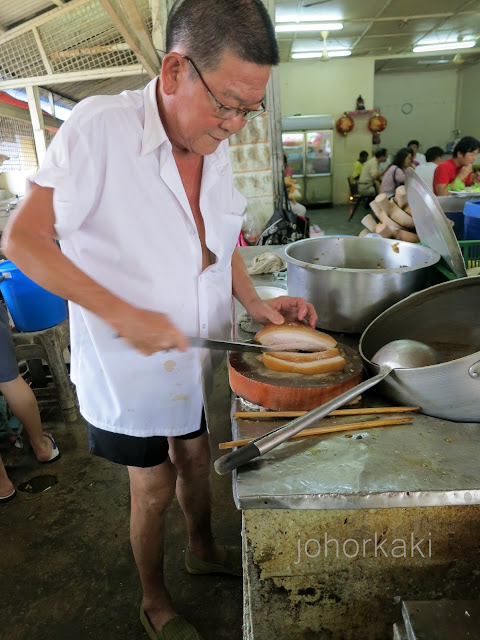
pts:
pixel 32 308
pixel 472 220
pixel 458 218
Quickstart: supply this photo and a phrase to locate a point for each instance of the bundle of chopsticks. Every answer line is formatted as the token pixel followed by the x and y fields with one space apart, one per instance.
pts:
pixel 336 428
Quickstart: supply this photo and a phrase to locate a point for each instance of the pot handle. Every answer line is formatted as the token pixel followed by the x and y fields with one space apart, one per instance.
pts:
pixel 474 371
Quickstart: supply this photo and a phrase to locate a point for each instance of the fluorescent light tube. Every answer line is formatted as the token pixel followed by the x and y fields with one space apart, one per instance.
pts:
pixel 445 46
pixel 329 17
pixel 339 53
pixel 302 55
pixel 314 26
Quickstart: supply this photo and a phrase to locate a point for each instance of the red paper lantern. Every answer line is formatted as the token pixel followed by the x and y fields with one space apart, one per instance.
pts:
pixel 377 123
pixel 345 124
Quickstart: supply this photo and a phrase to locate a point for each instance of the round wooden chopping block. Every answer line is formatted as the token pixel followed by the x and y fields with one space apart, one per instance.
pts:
pixel 251 380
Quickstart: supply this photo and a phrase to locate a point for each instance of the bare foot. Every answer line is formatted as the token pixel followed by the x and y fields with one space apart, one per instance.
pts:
pixel 43 451
pixel 159 615
pixel 213 552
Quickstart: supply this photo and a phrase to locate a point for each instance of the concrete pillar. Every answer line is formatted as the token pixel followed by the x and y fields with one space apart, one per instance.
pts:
pixel 257 158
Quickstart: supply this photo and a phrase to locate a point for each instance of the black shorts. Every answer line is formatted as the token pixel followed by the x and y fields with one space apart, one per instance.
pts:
pixel 133 451
pixel 8 361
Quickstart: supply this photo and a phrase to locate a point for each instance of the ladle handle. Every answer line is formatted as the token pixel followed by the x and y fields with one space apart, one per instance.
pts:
pixel 269 441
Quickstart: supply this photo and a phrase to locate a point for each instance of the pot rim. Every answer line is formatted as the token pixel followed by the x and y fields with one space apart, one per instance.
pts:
pixel 432 256
pixel 445 285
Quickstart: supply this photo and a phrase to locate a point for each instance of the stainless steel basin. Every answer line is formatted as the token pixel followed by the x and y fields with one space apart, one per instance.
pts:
pixel 351 280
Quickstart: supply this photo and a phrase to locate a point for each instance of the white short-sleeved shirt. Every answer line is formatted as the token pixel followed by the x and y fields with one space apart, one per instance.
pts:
pixel 122 216
pixel 369 171
pixel 426 172
pixel 420 158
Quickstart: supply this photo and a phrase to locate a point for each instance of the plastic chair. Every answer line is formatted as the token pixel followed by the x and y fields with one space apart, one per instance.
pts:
pixel 48 346
pixel 355 197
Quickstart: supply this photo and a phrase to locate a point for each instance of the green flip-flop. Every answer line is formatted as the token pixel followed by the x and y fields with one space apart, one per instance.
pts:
pixel 175 629
pixel 232 565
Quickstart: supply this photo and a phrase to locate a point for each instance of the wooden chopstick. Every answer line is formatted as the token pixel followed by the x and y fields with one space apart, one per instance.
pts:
pixel 338 412
pixel 317 431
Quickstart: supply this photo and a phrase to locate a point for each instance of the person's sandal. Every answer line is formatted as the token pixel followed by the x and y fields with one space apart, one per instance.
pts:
pixel 4 499
pixel 175 629
pixel 232 565
pixel 55 455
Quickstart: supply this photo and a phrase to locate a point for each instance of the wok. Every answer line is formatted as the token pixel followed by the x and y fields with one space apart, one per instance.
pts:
pixel 445 317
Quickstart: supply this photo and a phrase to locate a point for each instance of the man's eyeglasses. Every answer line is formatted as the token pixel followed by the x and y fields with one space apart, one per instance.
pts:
pixel 223 111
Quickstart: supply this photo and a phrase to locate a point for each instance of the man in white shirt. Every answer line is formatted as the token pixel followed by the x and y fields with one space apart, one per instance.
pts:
pixel 139 190
pixel 371 173
pixel 433 157
pixel 418 158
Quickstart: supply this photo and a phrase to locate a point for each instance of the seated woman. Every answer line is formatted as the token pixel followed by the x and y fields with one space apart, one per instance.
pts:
pixel 459 166
pixel 395 175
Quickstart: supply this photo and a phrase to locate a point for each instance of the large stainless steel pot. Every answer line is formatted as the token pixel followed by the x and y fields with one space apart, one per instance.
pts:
pixel 445 317
pixel 350 280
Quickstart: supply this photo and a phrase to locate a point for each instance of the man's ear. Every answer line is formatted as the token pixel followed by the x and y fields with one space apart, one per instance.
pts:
pixel 171 72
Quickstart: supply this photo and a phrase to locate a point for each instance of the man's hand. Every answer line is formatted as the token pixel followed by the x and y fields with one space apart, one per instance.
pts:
pixel 464 171
pixel 149 332
pixel 282 309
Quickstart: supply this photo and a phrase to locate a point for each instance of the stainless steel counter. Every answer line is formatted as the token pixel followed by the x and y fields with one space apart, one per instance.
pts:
pixel 455 204
pixel 429 462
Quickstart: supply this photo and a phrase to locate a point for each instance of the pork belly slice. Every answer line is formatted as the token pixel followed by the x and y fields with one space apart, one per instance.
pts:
pixel 294 336
pixel 298 356
pixel 328 365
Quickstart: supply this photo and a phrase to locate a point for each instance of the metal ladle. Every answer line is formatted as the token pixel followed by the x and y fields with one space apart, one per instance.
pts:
pixel 399 354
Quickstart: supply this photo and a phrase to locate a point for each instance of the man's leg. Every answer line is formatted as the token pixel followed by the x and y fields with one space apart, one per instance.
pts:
pixel 192 462
pixel 24 406
pixel 151 490
pixel 6 486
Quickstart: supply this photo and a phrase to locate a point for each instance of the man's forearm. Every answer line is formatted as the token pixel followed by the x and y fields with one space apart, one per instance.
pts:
pixel 441 189
pixel 40 258
pixel 242 285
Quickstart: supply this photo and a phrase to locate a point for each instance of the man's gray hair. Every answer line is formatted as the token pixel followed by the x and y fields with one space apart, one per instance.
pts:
pixel 207 29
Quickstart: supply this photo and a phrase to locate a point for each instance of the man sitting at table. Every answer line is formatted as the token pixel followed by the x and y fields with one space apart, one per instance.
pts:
pixel 371 173
pixel 426 171
pixel 458 166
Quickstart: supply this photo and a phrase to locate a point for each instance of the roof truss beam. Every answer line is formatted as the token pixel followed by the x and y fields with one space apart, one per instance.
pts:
pixel 134 33
pixel 128 21
pixel 74 76
pixel 12 111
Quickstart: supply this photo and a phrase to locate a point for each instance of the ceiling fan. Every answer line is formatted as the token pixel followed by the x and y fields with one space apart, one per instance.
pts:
pixel 324 57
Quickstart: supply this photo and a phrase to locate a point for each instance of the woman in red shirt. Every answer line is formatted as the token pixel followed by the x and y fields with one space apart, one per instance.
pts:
pixel 458 166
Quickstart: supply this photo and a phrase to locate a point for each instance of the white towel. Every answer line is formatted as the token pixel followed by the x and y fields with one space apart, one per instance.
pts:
pixel 248 324
pixel 266 263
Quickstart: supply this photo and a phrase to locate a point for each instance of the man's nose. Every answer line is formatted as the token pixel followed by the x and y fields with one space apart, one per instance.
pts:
pixel 234 124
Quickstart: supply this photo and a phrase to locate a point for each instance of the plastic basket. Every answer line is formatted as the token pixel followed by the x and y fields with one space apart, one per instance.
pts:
pixel 471 255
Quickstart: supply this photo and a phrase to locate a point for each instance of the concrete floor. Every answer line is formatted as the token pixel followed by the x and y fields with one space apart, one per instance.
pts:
pixel 334 220
pixel 66 563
